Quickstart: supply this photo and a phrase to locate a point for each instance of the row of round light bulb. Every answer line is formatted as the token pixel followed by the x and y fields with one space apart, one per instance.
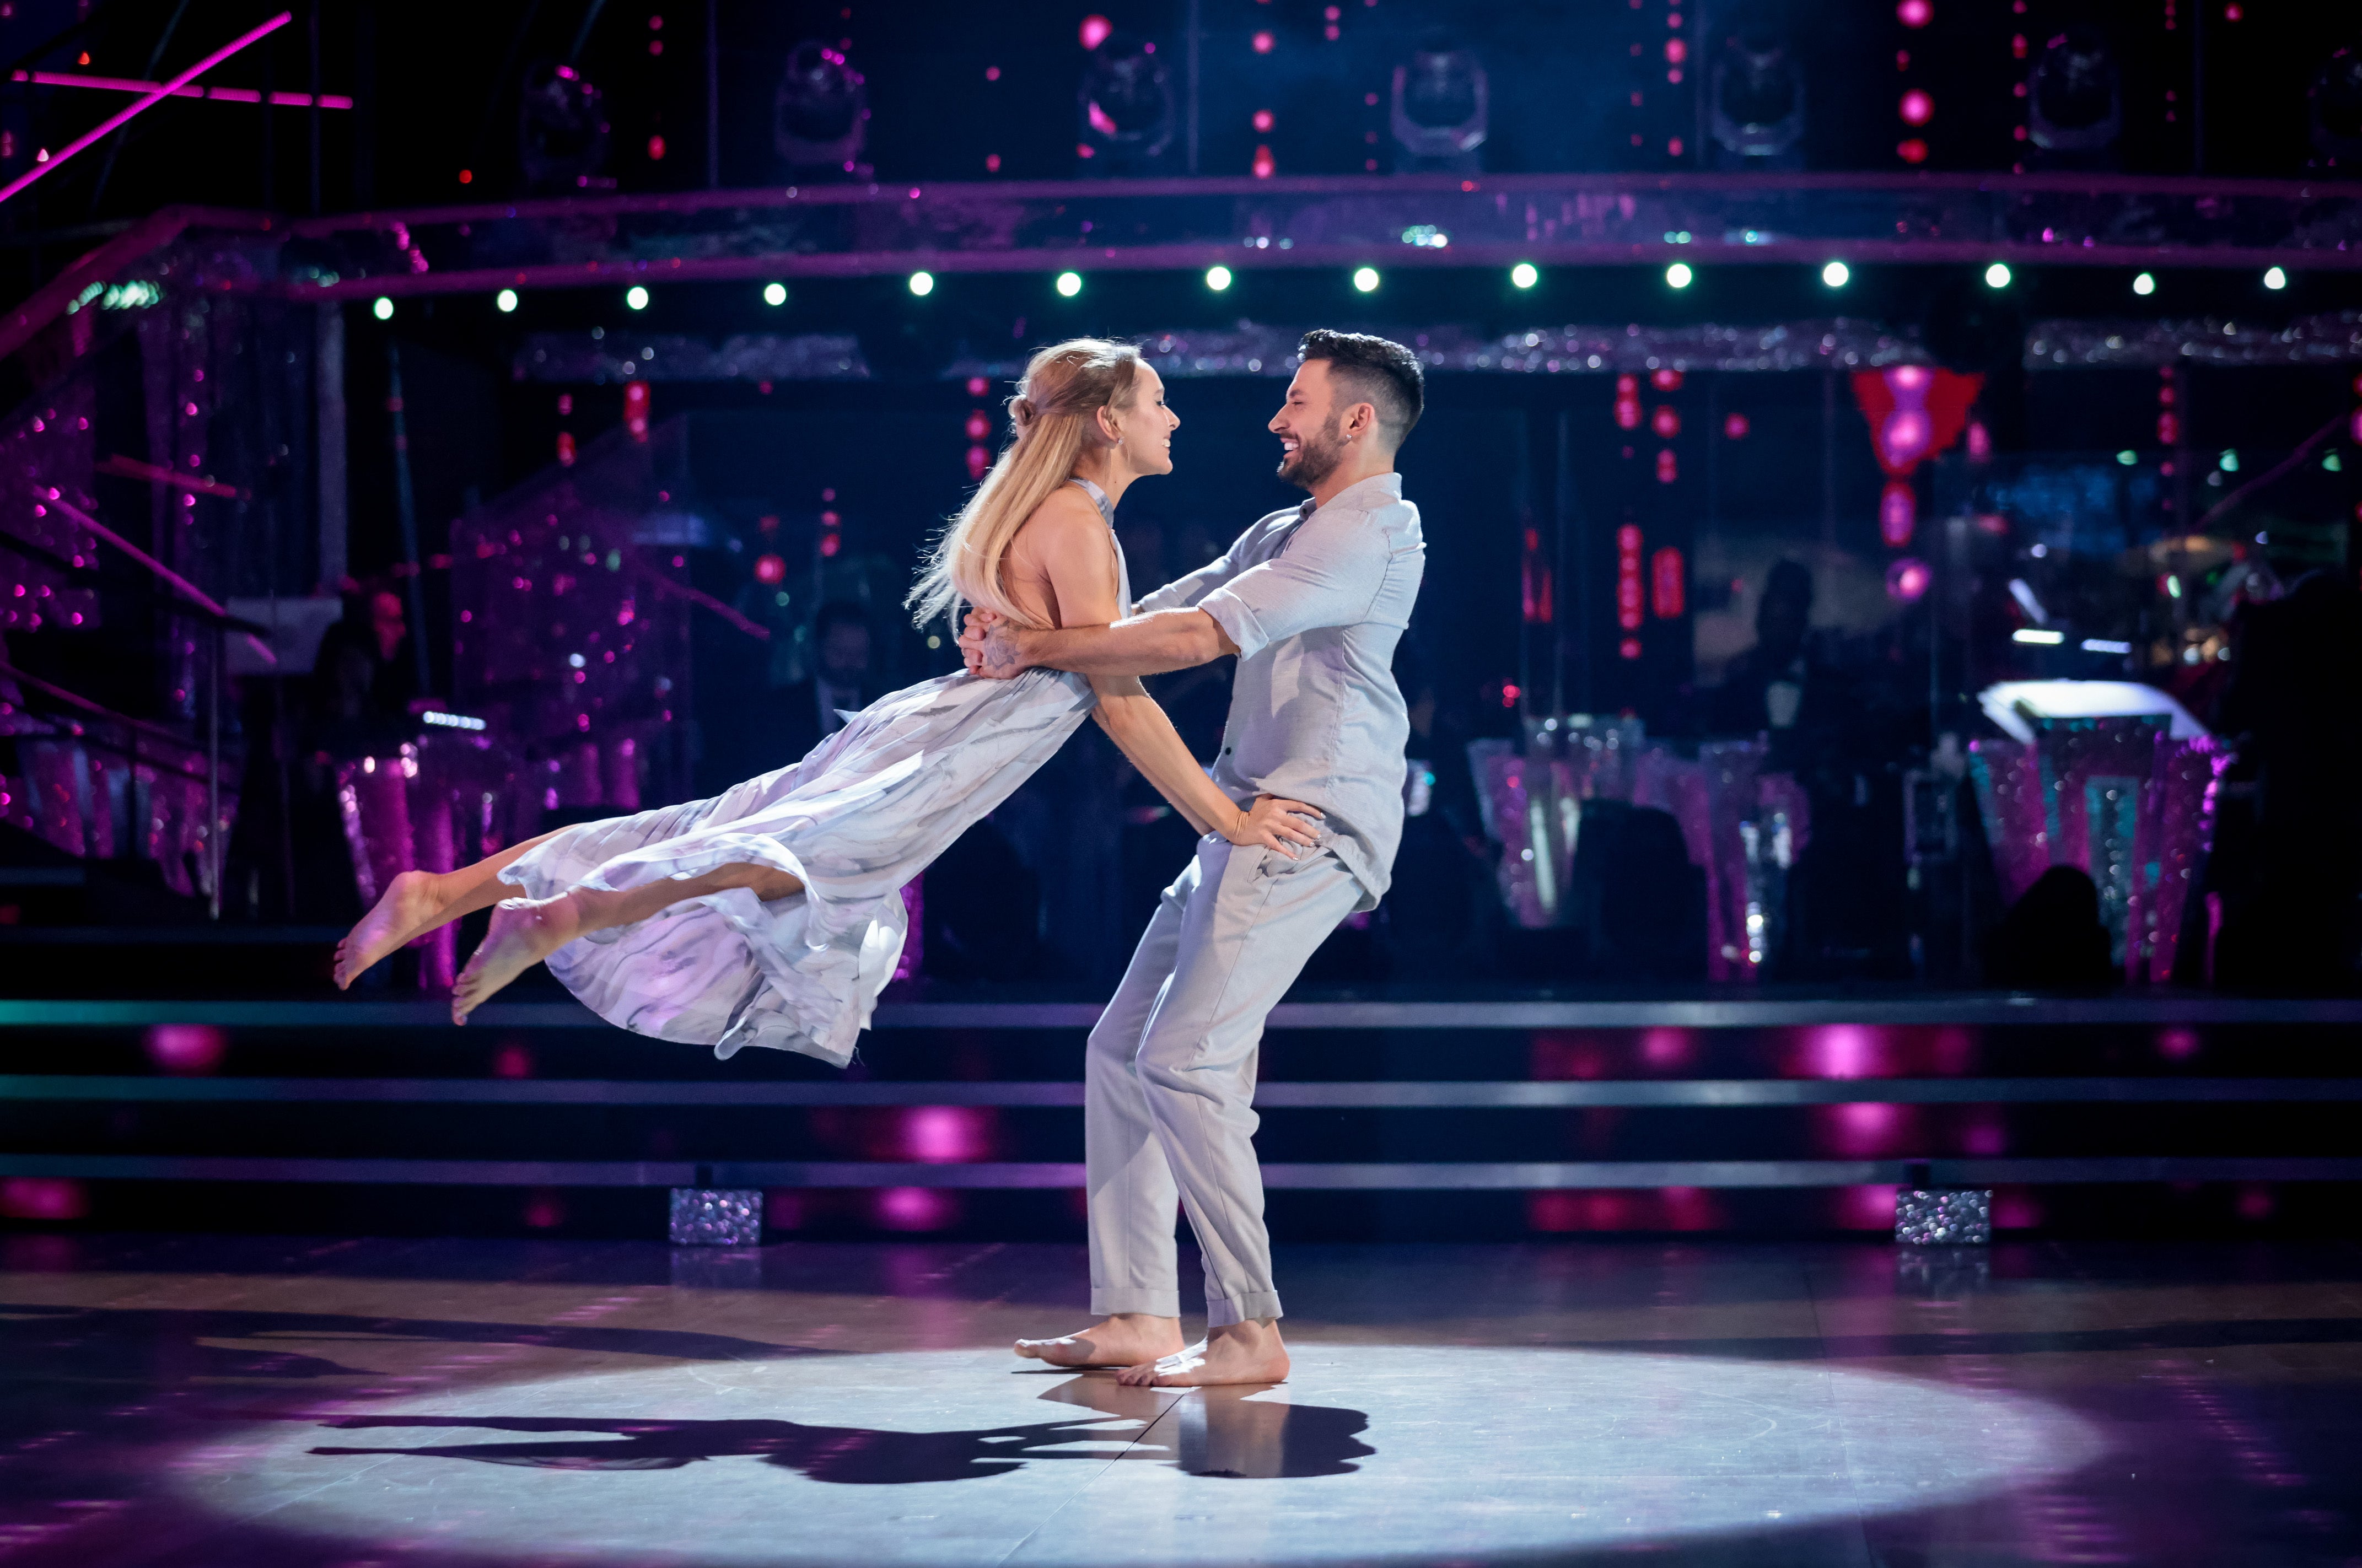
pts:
pixel 1524 275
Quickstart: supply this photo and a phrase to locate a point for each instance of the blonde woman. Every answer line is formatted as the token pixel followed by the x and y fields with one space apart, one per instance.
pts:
pixel 772 914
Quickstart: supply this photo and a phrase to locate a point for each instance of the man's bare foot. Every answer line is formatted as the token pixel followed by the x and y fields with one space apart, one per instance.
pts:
pixel 407 908
pixel 523 932
pixel 1121 1338
pixel 1243 1353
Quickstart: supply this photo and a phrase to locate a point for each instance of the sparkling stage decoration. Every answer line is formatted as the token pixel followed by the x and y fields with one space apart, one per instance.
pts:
pixel 705 1217
pixel 1744 827
pixel 2121 799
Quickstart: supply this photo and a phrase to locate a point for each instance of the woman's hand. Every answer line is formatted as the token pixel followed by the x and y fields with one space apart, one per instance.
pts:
pixel 1273 824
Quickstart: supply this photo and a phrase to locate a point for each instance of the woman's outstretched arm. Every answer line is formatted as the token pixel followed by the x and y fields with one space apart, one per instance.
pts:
pixel 1079 557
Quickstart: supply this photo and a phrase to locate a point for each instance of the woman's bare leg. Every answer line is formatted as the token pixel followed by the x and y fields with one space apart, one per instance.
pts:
pixel 526 931
pixel 418 901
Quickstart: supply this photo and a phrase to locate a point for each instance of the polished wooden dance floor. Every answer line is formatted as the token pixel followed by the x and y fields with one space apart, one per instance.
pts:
pixel 333 1404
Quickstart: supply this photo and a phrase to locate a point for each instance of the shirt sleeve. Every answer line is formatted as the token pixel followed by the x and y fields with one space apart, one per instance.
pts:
pixel 1328 575
pixel 1184 592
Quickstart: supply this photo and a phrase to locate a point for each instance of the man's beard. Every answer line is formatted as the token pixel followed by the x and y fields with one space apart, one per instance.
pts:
pixel 1313 461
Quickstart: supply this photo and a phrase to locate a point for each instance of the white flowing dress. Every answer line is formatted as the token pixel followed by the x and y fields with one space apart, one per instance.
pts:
pixel 862 815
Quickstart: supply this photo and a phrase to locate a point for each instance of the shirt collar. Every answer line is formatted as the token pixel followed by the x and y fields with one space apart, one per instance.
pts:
pixel 1364 496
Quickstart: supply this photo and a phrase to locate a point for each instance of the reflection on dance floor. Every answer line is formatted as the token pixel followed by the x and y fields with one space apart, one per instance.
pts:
pixel 182 1402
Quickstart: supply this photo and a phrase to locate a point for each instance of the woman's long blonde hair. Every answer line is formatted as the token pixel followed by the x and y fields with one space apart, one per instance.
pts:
pixel 1056 417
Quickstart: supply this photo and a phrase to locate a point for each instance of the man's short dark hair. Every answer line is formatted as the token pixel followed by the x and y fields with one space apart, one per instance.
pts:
pixel 1378 370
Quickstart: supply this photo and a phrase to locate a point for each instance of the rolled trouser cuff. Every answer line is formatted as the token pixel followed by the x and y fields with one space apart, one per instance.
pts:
pixel 1221 1312
pixel 1106 1299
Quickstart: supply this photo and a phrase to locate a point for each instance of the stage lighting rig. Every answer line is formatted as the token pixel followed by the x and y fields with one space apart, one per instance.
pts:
pixel 2075 97
pixel 1124 107
pixel 561 129
pixel 1757 95
pixel 820 114
pixel 1442 108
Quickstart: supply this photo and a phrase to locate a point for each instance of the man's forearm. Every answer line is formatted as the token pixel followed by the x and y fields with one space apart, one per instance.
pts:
pixel 1146 644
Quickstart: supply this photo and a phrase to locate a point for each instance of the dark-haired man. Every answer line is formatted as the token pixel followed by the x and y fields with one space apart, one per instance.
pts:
pixel 1312 599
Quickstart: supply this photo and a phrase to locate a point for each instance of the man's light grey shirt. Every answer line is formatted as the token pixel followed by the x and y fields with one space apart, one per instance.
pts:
pixel 1316 600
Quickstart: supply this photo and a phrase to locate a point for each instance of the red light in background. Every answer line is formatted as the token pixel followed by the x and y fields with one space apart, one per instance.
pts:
pixel 1629 648
pixel 545 1207
pixel 979 426
pixel 656 148
pixel 1094 30
pixel 1915 13
pixel 992 163
pixel 1735 426
pixel 565 450
pixel 467 176
pixel 1665 422
pixel 1912 152
pixel 1627 579
pixel 945 1135
pixel 1262 119
pixel 1916 108
pixel 770 569
pixel 977 386
pixel 1510 693
pixel 1898 513
pixel 1669 470
pixel 1665 379
pixel 830 544
pixel 512 1060
pixel 1263 166
pixel 1979 442
pixel 1263 43
pixel 979 461
pixel 635 409
pixel 2169 427
pixel 1667 597
pixel 1676 51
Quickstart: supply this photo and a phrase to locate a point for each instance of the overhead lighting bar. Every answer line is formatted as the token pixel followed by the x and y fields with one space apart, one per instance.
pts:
pixel 223 95
pixel 113 122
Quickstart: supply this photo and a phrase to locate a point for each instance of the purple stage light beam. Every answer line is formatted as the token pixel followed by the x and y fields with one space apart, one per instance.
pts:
pixel 106 126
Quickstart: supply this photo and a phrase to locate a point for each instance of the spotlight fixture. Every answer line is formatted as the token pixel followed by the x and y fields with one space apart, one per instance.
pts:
pixel 1070 285
pixel 1997 276
pixel 1757 95
pixel 1677 275
pixel 2144 283
pixel 2075 97
pixel 1218 278
pixel 636 297
pixel 561 129
pixel 1443 106
pixel 922 283
pixel 381 308
pixel 505 302
pixel 1525 275
pixel 2274 278
pixel 1365 279
pixel 774 294
pixel 1836 274
pixel 820 112
pixel 1124 107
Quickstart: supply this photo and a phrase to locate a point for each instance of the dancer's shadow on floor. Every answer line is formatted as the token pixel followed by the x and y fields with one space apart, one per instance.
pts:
pixel 1213 1431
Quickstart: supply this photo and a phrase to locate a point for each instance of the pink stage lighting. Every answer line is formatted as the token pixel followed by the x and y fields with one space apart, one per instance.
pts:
pixel 43 1198
pixel 1916 108
pixel 187 1047
pixel 1094 31
pixel 915 1209
pixel 1908 579
pixel 1898 513
pixel 1915 13
pixel 946 1134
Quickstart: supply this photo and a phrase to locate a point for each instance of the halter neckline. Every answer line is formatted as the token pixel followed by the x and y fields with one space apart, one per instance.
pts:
pixel 1098 498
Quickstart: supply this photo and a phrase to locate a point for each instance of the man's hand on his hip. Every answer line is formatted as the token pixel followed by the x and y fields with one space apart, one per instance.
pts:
pixel 993 647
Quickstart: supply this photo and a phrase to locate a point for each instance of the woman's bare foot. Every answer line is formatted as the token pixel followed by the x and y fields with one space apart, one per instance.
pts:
pixel 523 932
pixel 1243 1353
pixel 1121 1338
pixel 407 908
